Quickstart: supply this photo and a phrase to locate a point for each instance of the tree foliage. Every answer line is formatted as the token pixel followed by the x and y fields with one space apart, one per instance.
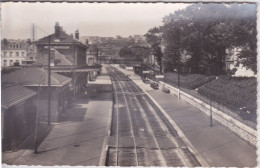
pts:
pixel 154 38
pixel 134 52
pixel 205 31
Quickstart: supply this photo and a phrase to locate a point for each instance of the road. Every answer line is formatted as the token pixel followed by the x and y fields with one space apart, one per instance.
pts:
pixel 140 134
pixel 217 145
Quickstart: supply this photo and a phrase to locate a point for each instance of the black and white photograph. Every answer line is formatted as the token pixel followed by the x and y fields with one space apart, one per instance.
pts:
pixel 129 84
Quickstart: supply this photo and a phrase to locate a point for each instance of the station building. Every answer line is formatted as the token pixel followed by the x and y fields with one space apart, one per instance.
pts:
pixel 68 57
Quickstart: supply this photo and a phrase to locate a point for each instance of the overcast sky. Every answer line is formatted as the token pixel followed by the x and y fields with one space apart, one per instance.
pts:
pixel 101 19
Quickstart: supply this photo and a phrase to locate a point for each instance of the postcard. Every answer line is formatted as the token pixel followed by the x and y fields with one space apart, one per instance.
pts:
pixel 129 84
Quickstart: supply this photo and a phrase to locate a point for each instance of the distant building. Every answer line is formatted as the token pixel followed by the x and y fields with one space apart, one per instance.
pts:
pixel 91 39
pixel 18 110
pixel 92 54
pixel 149 59
pixel 231 61
pixel 231 58
pixel 16 52
pixel 139 38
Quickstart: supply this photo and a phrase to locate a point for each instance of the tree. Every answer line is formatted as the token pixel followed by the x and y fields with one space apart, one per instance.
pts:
pixel 126 52
pixel 136 52
pixel 118 37
pixel 131 40
pixel 205 31
pixel 154 38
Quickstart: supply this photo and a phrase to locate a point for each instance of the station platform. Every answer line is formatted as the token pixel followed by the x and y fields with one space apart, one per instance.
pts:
pixel 80 138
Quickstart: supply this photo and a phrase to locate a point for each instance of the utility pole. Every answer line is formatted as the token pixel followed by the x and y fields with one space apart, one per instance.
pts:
pixel 37 118
pixel 49 82
pixel 33 35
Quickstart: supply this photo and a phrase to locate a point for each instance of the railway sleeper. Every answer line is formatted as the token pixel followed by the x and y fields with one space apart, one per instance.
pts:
pixel 124 156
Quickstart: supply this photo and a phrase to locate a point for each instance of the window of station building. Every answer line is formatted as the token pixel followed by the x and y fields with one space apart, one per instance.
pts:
pixel 17 54
pixel 11 62
pixel 5 62
pixel 5 54
pixel 11 54
pixel 23 54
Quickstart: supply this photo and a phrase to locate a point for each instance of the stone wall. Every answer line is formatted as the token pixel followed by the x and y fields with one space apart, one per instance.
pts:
pixel 243 131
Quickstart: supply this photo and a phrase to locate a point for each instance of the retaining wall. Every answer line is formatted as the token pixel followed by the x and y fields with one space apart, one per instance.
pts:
pixel 243 131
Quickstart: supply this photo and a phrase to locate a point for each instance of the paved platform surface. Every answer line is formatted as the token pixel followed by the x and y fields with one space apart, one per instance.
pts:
pixel 79 139
pixel 217 145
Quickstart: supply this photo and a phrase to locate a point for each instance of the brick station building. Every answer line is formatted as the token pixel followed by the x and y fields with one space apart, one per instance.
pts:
pixel 68 57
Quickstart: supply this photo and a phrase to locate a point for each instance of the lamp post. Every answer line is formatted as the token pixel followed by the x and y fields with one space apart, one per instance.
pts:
pixel 178 70
pixel 179 63
pixel 210 107
pixel 49 81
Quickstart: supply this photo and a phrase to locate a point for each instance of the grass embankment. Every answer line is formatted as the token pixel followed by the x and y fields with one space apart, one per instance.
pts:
pixel 190 81
pixel 234 92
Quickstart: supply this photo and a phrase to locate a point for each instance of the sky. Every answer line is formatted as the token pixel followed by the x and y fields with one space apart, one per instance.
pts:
pixel 91 19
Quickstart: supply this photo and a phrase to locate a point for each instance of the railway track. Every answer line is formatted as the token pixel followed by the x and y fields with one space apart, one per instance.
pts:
pixel 141 134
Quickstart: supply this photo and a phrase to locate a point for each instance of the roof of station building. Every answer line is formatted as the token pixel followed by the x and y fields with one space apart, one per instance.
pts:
pixel 13 94
pixel 35 76
pixel 63 38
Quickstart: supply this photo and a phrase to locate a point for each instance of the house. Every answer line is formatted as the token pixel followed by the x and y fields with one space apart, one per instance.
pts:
pixel 18 110
pixel 92 59
pixel 231 58
pixel 35 78
pixel 16 52
pixel 92 54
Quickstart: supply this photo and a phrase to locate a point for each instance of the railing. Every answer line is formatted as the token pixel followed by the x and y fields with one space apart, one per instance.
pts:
pixel 229 110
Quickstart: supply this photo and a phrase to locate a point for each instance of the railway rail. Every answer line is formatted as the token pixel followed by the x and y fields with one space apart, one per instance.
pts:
pixel 140 134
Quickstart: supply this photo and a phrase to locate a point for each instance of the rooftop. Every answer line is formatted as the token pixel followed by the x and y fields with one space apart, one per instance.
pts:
pixel 64 38
pixel 32 76
pixel 10 44
pixel 14 94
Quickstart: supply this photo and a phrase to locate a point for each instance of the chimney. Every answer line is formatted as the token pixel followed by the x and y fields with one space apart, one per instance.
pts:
pixel 77 34
pixel 71 35
pixel 57 30
pixel 86 41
